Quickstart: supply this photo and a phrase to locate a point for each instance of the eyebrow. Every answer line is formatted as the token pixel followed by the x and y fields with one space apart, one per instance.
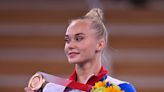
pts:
pixel 76 34
pixel 79 34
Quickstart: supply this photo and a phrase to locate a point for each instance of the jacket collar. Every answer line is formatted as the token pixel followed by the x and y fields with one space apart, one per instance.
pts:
pixel 93 78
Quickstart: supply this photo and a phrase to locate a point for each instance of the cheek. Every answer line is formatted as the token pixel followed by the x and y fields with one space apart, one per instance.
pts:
pixel 65 48
pixel 87 53
pixel 88 48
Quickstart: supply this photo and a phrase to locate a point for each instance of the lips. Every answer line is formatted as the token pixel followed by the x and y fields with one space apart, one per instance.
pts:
pixel 72 54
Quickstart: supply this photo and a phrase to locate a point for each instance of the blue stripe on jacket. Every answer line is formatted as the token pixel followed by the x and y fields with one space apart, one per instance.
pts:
pixel 127 87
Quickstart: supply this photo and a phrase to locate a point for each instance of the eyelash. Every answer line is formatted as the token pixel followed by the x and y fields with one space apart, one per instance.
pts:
pixel 67 40
pixel 78 39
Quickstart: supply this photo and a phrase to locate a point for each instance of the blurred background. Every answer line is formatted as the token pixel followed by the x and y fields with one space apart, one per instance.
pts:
pixel 32 39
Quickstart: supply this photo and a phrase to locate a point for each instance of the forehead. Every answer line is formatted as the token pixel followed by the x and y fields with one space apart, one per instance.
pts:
pixel 79 26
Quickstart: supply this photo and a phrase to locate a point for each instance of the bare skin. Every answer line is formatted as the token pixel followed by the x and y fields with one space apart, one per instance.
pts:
pixel 27 89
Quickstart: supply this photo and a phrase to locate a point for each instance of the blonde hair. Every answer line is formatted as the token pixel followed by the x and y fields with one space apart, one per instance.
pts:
pixel 96 16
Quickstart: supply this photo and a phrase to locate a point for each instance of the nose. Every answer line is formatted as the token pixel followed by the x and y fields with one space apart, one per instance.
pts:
pixel 70 45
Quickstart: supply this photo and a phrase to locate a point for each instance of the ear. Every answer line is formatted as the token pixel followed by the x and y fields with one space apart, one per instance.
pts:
pixel 100 45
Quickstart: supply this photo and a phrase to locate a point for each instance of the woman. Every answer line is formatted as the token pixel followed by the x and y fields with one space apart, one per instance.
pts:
pixel 85 40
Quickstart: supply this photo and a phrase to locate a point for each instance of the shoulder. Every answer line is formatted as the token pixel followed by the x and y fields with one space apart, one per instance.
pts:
pixel 126 86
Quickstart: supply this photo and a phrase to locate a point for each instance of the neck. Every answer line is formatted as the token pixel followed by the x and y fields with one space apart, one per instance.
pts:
pixel 86 69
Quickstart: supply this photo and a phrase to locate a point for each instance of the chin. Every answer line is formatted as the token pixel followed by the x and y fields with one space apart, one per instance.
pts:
pixel 73 61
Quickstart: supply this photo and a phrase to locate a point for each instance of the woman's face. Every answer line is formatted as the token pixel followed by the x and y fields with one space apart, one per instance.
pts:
pixel 80 42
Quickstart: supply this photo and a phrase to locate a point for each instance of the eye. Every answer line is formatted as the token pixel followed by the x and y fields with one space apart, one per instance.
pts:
pixel 67 40
pixel 79 38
